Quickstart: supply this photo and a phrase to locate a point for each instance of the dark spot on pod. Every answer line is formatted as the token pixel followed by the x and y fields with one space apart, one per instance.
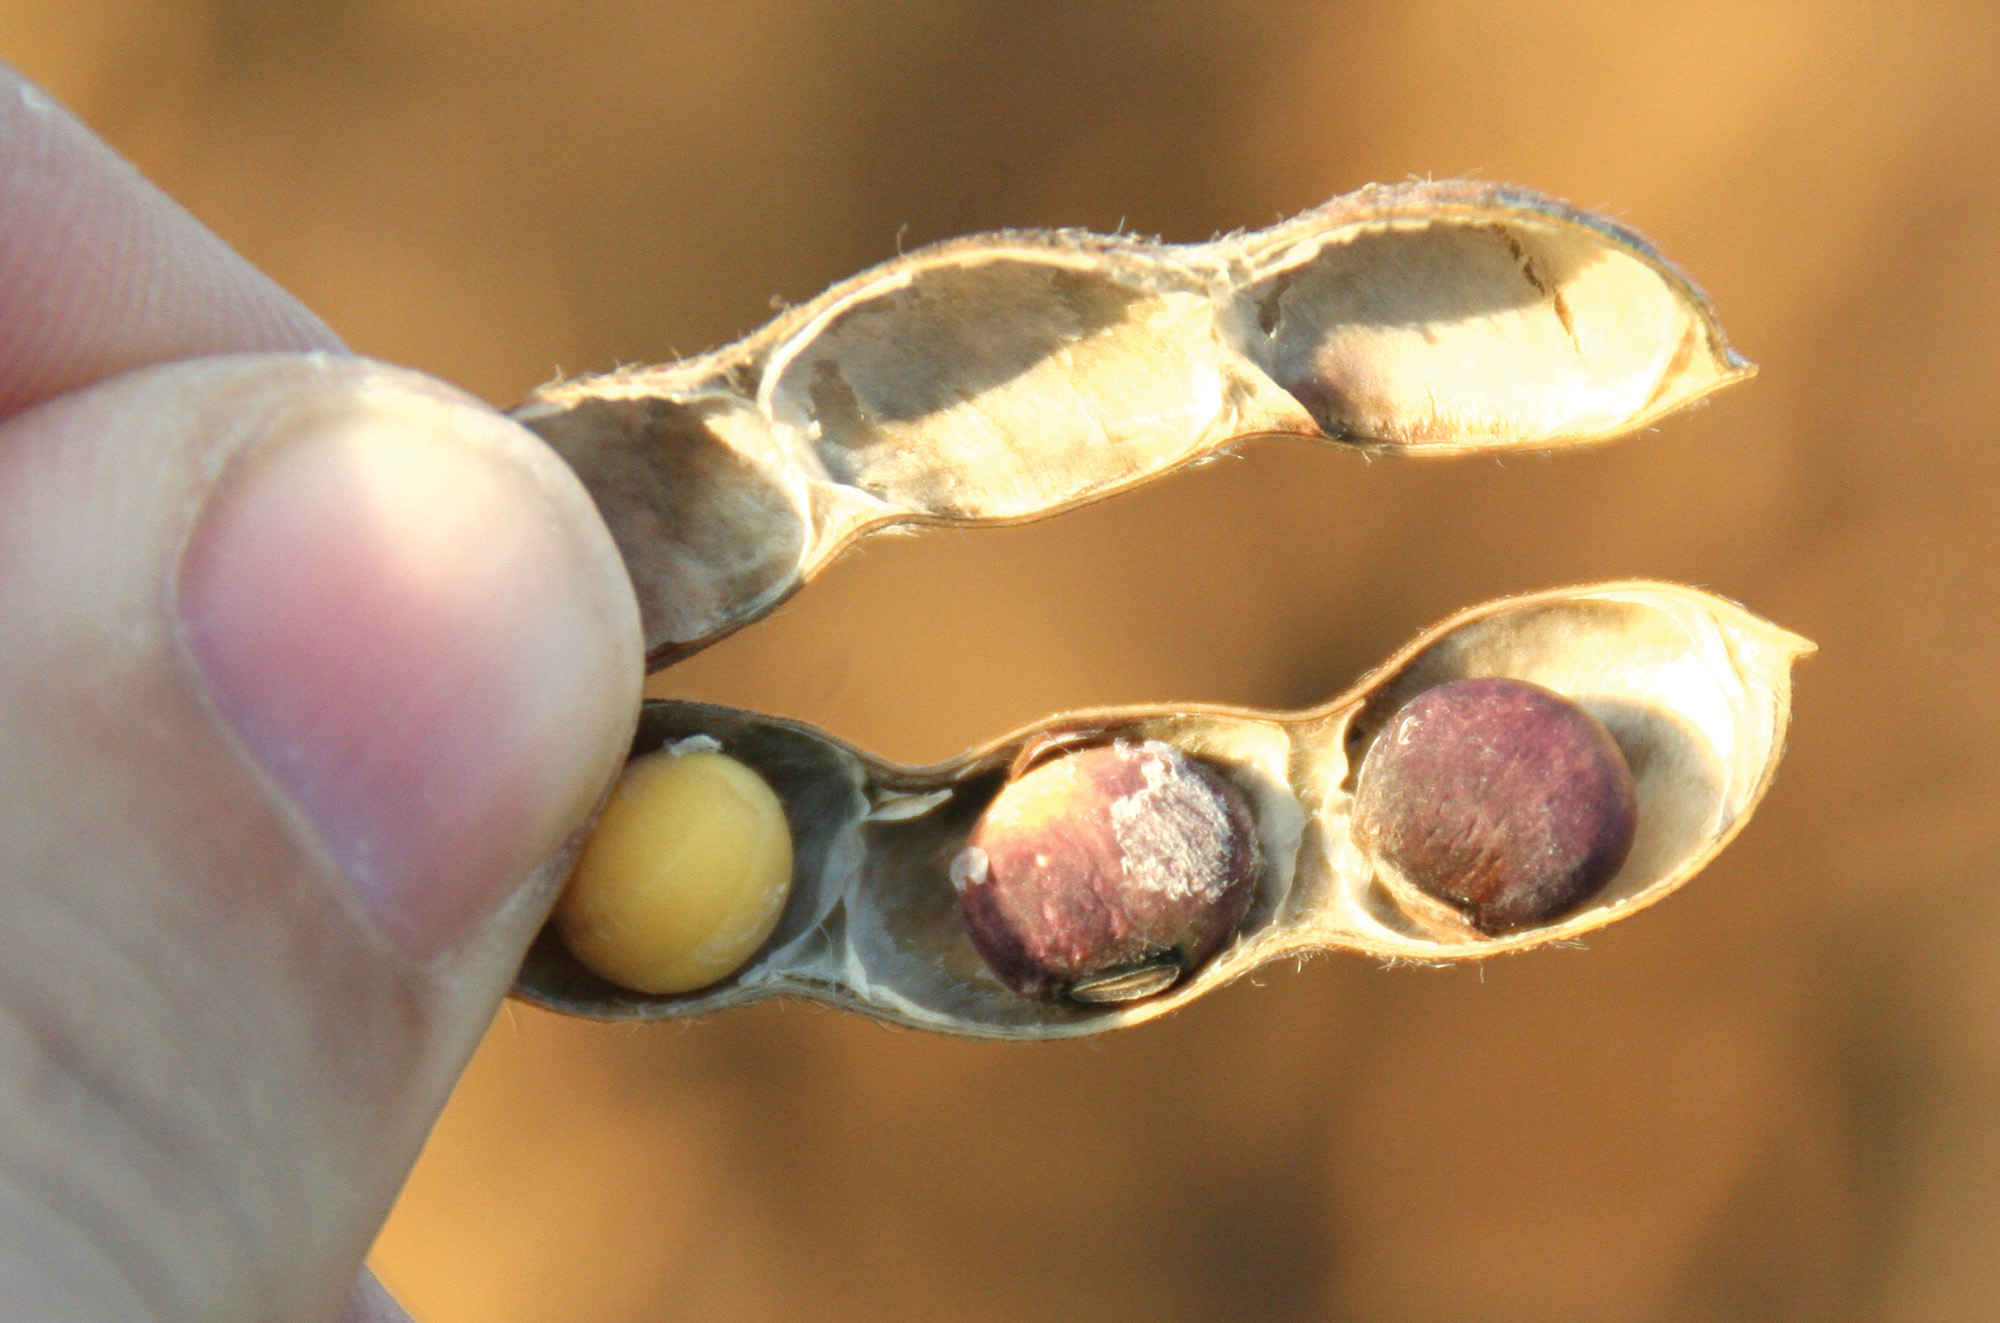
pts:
pixel 1502 799
pixel 1106 874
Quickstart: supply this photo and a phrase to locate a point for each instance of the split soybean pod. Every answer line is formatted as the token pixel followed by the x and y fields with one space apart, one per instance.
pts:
pixel 1012 376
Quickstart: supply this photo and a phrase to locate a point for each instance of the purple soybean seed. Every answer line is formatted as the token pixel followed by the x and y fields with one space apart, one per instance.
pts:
pixel 1501 798
pixel 1106 874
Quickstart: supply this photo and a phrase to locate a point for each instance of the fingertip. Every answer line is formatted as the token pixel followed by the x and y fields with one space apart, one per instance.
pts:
pixel 100 271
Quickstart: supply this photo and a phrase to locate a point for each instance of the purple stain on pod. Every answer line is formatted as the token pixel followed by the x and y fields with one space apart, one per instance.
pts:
pixel 1106 874
pixel 1502 799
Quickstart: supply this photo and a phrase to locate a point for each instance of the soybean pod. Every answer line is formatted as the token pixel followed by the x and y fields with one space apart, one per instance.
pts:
pixel 1693 690
pixel 1007 377
pixel 1525 773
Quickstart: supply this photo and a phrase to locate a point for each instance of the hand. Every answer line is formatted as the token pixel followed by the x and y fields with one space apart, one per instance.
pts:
pixel 310 671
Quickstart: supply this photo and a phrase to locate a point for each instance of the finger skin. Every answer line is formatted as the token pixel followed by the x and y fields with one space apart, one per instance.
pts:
pixel 216 1067
pixel 135 1146
pixel 101 272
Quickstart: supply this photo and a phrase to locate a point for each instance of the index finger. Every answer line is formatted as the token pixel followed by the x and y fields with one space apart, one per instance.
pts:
pixel 100 271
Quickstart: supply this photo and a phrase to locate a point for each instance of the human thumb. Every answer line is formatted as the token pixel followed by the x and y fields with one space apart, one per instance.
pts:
pixel 312 671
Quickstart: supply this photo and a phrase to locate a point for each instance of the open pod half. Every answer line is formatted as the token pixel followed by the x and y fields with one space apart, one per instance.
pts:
pixel 1010 376
pixel 1694 690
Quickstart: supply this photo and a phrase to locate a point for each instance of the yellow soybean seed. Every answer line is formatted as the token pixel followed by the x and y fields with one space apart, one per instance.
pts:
pixel 684 877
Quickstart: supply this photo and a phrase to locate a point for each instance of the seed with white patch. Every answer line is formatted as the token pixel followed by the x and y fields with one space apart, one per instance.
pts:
pixel 968 869
pixel 1108 872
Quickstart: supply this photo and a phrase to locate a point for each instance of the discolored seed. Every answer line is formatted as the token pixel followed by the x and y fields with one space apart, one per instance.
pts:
pixel 683 878
pixel 1106 874
pixel 1505 800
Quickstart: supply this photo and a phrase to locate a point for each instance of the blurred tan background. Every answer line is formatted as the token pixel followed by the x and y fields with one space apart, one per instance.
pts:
pixel 1775 1097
